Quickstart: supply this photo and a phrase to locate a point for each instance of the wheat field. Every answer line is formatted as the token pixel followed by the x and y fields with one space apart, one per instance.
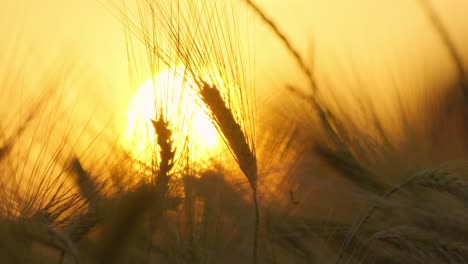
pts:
pixel 207 167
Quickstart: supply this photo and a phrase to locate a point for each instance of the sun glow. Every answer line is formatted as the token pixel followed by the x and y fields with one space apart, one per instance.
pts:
pixel 169 94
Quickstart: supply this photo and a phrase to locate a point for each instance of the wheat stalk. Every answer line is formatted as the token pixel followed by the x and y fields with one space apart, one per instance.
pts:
pixel 287 43
pixel 237 143
pixel 449 44
pixel 166 162
pixel 343 160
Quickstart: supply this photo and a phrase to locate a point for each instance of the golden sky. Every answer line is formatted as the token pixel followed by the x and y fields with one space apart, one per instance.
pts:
pixel 379 37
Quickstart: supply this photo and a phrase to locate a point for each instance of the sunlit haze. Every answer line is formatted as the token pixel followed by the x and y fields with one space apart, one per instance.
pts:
pixel 170 93
pixel 233 131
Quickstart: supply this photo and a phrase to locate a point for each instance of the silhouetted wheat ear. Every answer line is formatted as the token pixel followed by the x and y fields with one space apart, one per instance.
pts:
pixel 85 183
pixel 164 141
pixel 88 189
pixel 167 153
pixel 232 132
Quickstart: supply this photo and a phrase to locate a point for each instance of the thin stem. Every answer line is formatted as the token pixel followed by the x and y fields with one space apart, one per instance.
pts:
pixel 256 226
pixel 289 46
pixel 448 42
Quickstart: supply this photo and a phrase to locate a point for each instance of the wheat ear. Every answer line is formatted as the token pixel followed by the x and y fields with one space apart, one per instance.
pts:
pixel 442 181
pixel 88 189
pixel 231 132
pixel 421 245
pixel 166 152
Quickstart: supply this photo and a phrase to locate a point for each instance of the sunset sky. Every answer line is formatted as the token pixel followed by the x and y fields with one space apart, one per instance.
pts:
pixel 377 37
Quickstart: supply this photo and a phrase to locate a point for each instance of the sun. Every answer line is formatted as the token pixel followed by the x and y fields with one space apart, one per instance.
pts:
pixel 168 93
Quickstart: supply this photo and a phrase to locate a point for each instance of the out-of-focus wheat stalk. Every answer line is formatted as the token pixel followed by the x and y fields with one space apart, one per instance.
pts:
pixel 287 43
pixel 352 167
pixel 447 40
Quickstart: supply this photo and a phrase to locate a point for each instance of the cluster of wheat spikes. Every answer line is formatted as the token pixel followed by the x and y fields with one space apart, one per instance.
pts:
pixel 204 37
